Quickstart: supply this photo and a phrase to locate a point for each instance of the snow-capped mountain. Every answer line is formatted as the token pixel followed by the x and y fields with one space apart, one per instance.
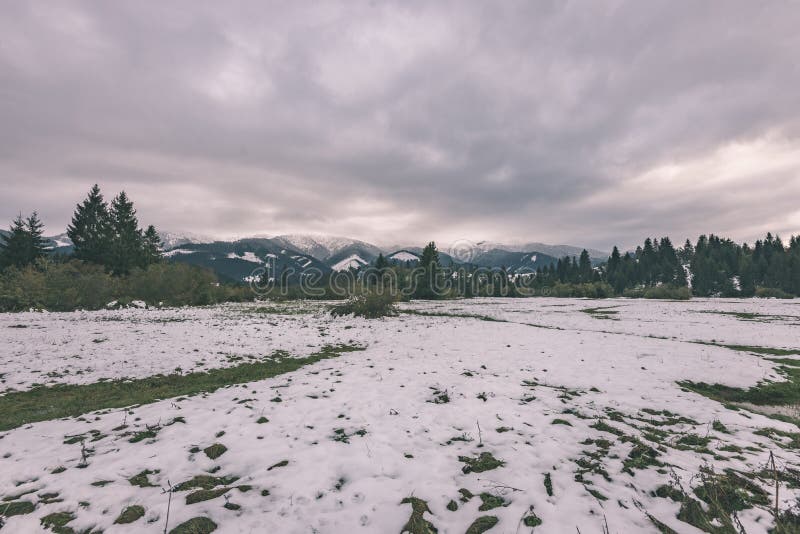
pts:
pixel 176 239
pixel 353 261
pixel 557 251
pixel 326 247
pixel 235 259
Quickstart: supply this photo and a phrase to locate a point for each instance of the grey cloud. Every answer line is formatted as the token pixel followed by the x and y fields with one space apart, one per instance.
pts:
pixel 402 121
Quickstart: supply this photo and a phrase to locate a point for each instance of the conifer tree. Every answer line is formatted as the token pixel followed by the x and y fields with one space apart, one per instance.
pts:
pixel 381 263
pixel 429 265
pixel 585 271
pixel 13 246
pixel 126 250
pixel 152 245
pixel 89 229
pixel 24 244
pixel 35 244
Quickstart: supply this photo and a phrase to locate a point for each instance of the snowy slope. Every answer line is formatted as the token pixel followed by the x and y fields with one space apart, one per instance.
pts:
pixel 354 261
pixel 355 435
pixel 323 247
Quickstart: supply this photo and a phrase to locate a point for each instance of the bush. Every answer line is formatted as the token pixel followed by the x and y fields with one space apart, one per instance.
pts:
pixel 772 293
pixel 73 285
pixel 369 305
pixel 594 290
pixel 665 292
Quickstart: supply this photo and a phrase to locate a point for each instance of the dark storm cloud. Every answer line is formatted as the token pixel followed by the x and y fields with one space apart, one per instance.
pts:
pixel 593 123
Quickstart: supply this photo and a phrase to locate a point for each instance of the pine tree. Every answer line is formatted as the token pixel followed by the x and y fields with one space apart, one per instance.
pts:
pixel 13 247
pixel 614 271
pixel 152 245
pixel 89 230
pixel 585 271
pixel 35 244
pixel 126 237
pixel 24 245
pixel 429 266
pixel 381 263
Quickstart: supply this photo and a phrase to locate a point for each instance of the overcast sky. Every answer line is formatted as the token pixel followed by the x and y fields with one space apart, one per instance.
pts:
pixel 590 123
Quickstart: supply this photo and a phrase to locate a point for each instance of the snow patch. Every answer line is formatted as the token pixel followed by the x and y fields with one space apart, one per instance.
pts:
pixel 353 261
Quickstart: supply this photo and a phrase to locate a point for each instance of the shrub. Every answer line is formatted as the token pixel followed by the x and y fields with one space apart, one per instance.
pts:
pixel 72 285
pixel 772 293
pixel 594 290
pixel 368 305
pixel 666 292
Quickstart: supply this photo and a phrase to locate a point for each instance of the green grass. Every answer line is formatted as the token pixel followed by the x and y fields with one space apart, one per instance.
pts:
pixel 764 394
pixel 449 314
pixel 485 462
pixel 206 494
pixel 417 524
pixel 215 451
pixel 196 525
pixel 130 514
pixel 57 522
pixel 42 403
pixel 482 524
pixel 770 351
pixel 8 509
pixel 604 312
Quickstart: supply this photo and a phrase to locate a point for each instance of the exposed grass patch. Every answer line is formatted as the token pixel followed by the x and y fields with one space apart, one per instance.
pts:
pixel 129 515
pixel 724 494
pixel 16 508
pixel 764 394
pixel 215 451
pixel 205 482
pixel 769 351
pixel 196 525
pixel 68 400
pixel 57 522
pixel 282 463
pixel 548 484
pixel 485 462
pixel 490 502
pixel 339 434
pixel 440 397
pixel 482 524
pixel 417 524
pixel 141 479
pixel 449 314
pixel 604 312
pixel 206 494
pixel 602 426
pixel 531 520
pixel 641 457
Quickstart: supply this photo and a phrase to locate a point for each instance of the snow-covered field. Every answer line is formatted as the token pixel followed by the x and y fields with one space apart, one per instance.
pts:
pixel 353 436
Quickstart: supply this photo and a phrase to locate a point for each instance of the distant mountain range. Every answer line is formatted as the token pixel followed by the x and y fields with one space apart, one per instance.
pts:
pixel 240 259
pixel 292 253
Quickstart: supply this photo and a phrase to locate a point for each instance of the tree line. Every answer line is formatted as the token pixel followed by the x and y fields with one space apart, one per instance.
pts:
pixel 714 266
pixel 101 234
pixel 107 237
pixel 113 260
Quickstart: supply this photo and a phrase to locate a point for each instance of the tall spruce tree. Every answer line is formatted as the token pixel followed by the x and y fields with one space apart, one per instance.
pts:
pixel 585 272
pixel 90 229
pixel 126 250
pixel 152 245
pixel 24 244
pixel 429 268
pixel 13 246
pixel 381 263
pixel 34 229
